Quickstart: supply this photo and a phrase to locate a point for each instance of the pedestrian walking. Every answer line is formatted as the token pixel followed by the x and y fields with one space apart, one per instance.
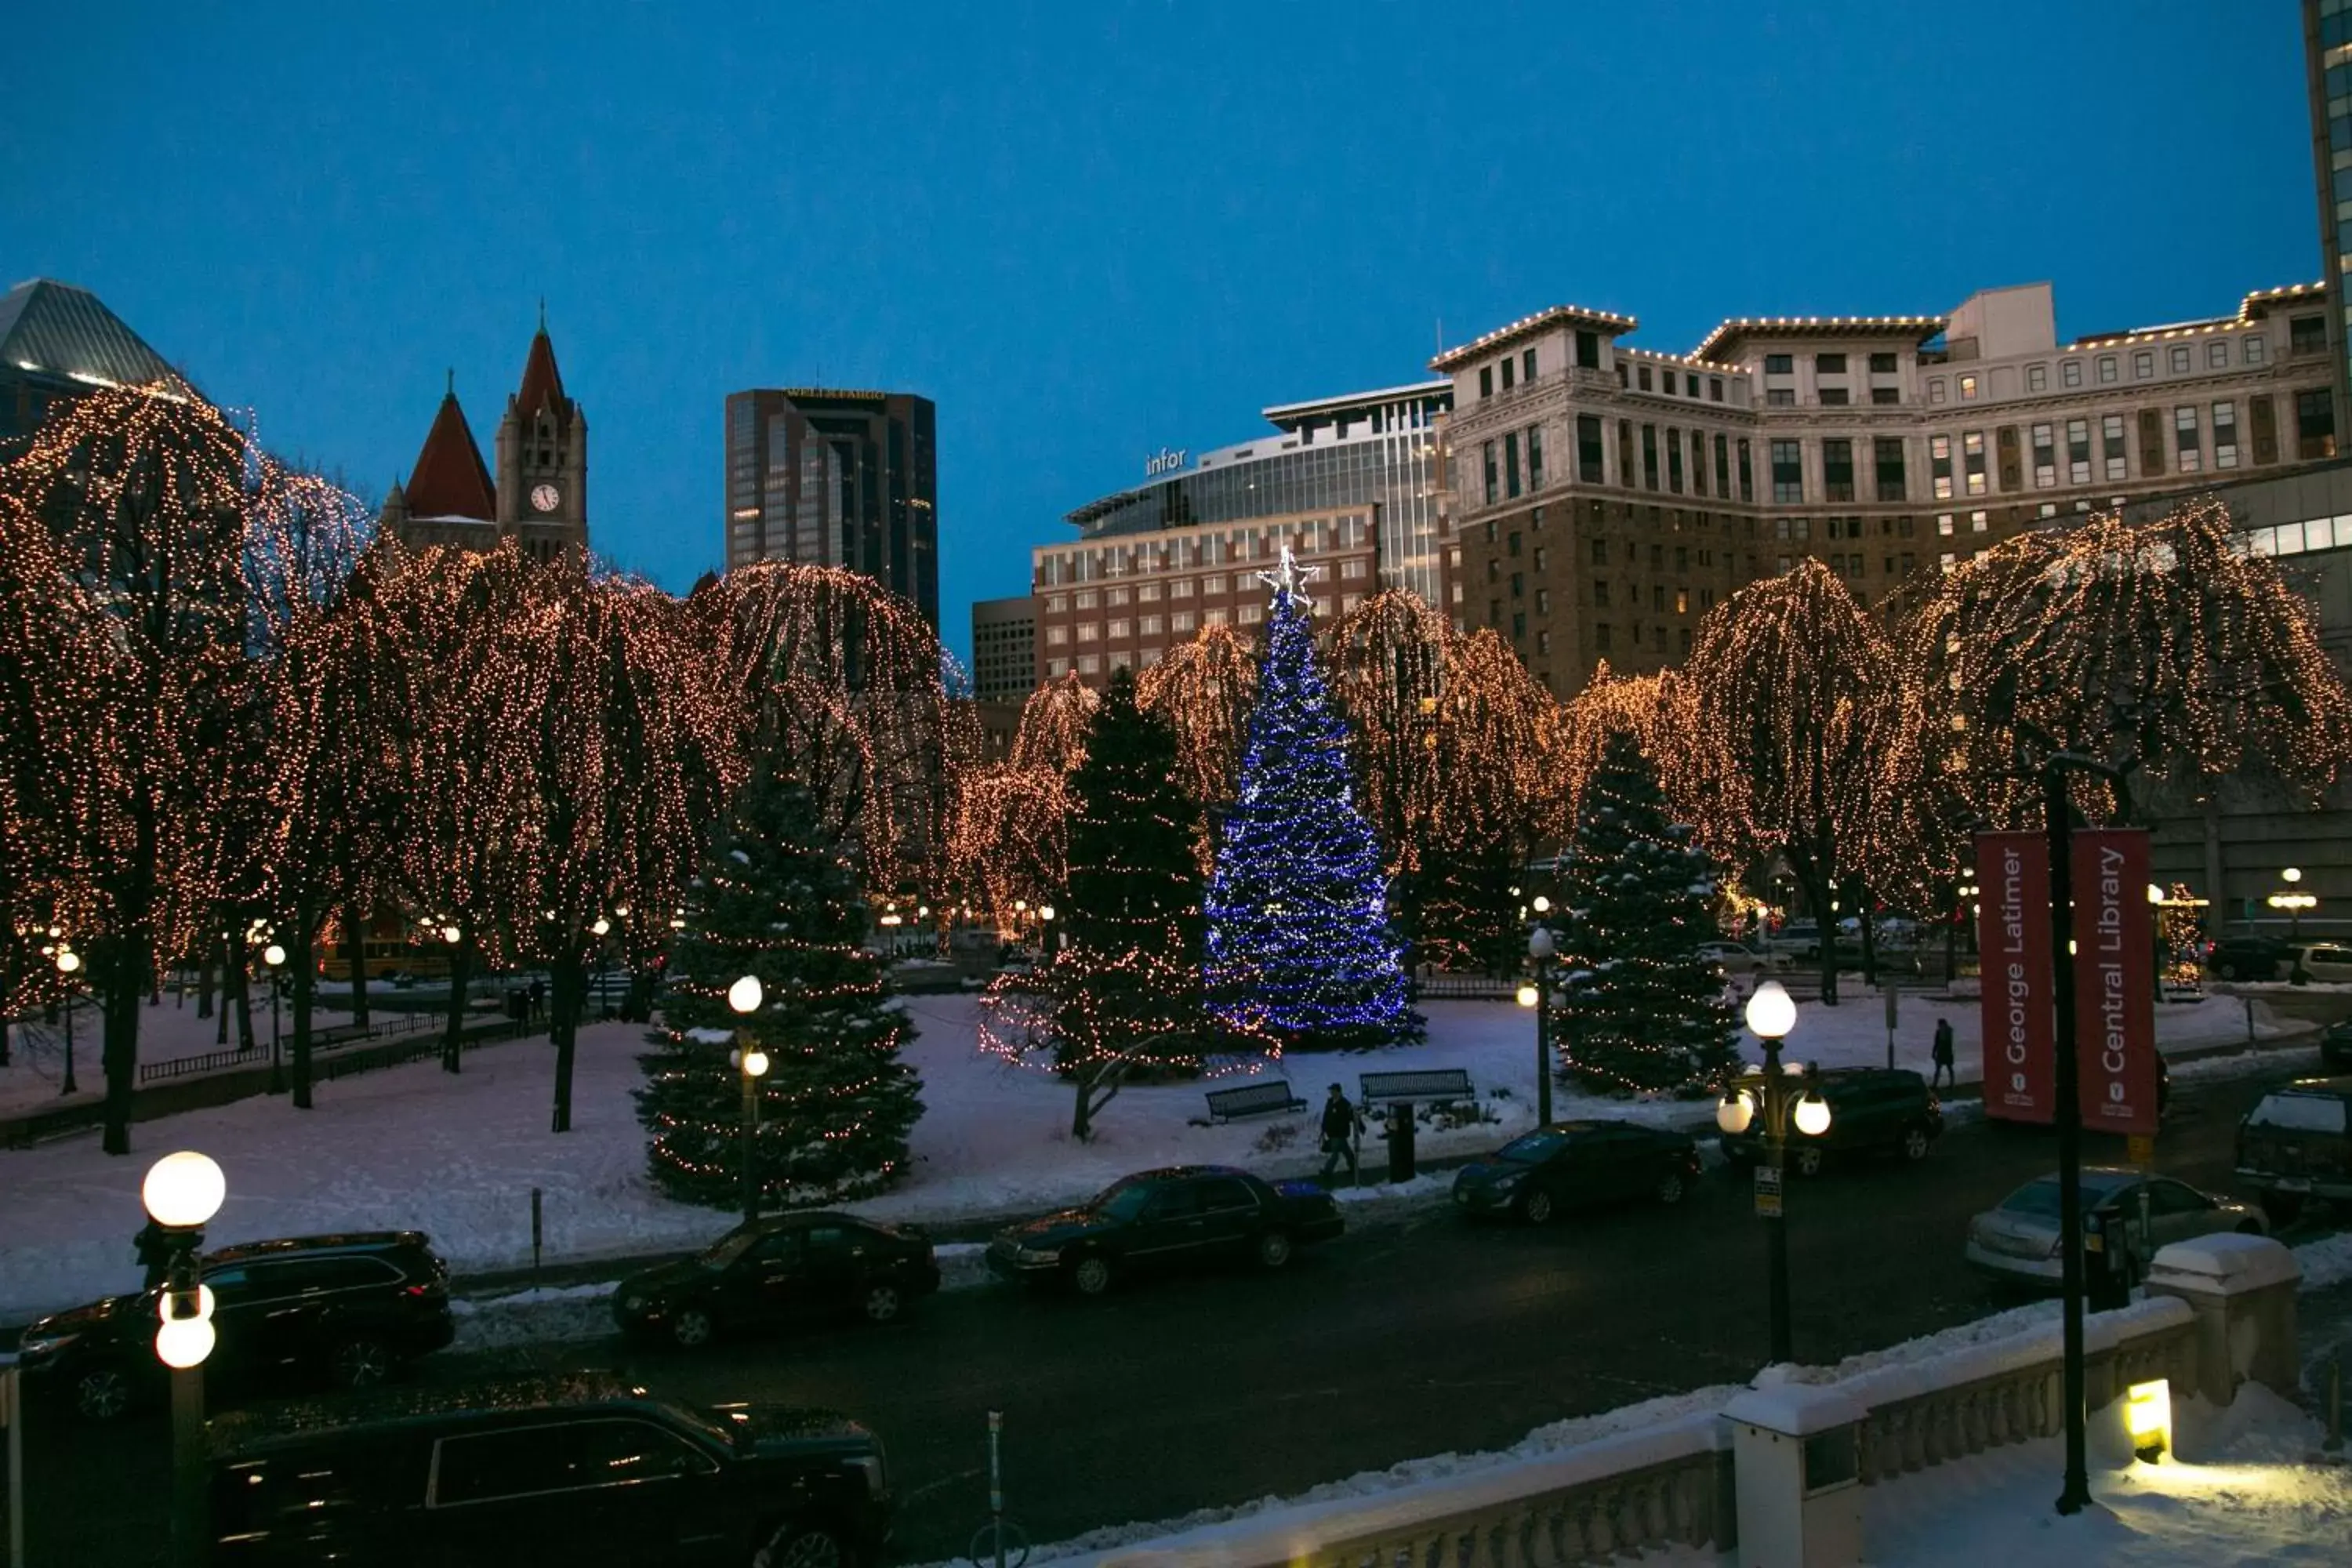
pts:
pixel 1941 1054
pixel 154 1254
pixel 1343 1131
pixel 537 997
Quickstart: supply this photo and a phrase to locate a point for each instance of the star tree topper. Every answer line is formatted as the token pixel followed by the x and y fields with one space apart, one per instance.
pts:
pixel 1290 577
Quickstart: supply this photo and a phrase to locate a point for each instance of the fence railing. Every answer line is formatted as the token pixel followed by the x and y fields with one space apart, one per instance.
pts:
pixel 321 1040
pixel 1464 988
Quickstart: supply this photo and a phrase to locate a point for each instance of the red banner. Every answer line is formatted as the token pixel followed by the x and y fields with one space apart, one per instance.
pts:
pixel 2114 981
pixel 2021 1060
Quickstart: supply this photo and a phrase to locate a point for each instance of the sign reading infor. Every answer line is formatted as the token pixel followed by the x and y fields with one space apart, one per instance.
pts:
pixel 1165 460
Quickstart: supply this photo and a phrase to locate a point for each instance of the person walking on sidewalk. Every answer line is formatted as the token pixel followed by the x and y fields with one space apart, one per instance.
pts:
pixel 1941 1054
pixel 1343 1129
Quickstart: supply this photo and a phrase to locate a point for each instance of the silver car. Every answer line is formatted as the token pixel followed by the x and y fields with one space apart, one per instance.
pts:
pixel 2017 1242
pixel 1734 959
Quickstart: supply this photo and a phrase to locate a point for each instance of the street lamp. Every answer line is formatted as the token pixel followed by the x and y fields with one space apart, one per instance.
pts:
pixel 68 964
pixel 1540 948
pixel 744 997
pixel 275 956
pixel 1045 927
pixel 2293 901
pixel 182 1193
pixel 1771 1014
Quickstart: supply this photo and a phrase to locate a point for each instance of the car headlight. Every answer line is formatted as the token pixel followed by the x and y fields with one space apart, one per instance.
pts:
pixel 1505 1183
pixel 633 1304
pixel 1038 1254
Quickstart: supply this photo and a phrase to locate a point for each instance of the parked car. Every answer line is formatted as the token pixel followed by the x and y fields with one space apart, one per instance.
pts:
pixel 2323 961
pixel 2336 1045
pixel 1795 937
pixel 350 1308
pixel 2016 1242
pixel 575 1467
pixel 1573 1165
pixel 2247 958
pixel 1181 1217
pixel 2296 1143
pixel 1735 958
pixel 794 1268
pixel 1872 1111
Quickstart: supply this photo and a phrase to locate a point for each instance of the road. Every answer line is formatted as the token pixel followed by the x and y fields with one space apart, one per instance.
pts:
pixel 1413 1335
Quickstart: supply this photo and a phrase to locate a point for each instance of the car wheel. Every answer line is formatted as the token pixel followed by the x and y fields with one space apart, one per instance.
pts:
pixel 882 1303
pixel 1273 1248
pixel 1809 1161
pixel 1091 1276
pixel 1535 1206
pixel 1670 1188
pixel 1916 1142
pixel 691 1327
pixel 361 1362
pixel 2282 1207
pixel 101 1394
pixel 793 1547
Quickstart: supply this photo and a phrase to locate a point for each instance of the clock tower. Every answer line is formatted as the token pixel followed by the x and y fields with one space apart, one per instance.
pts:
pixel 542 458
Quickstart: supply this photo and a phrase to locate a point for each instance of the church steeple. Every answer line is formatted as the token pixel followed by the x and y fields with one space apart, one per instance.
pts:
pixel 449 480
pixel 542 456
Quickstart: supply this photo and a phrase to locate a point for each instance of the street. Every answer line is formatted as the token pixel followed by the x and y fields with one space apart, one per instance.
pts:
pixel 1413 1335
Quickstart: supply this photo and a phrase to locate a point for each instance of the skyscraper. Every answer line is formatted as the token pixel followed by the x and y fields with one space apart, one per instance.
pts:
pixel 57 344
pixel 837 479
pixel 2328 69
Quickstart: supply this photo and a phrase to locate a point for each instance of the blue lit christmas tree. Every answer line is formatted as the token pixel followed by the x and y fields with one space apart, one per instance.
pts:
pixel 1297 944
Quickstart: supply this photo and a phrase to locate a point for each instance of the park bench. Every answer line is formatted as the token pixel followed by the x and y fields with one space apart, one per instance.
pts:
pixel 1439 1086
pixel 1266 1096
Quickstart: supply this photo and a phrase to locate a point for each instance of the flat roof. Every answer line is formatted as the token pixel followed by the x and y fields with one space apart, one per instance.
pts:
pixel 1528 326
pixel 1911 329
pixel 1287 414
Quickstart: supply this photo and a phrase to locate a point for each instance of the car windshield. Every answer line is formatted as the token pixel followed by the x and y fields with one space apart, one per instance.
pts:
pixel 1123 1199
pixel 2299 1113
pixel 729 1247
pixel 2039 1200
pixel 1533 1148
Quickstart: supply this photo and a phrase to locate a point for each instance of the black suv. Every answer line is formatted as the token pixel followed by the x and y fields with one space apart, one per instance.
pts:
pixel 350 1308
pixel 2247 957
pixel 795 1269
pixel 1872 1111
pixel 1183 1217
pixel 580 1467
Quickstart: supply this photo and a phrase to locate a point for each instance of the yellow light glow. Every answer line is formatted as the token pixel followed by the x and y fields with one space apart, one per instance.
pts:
pixel 1526 996
pixel 2148 1415
pixel 755 1064
pixel 185 1343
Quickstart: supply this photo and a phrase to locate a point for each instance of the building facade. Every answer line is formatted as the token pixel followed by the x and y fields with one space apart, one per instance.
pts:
pixel 1354 485
pixel 837 479
pixel 59 344
pixel 537 496
pixel 2327 68
pixel 1606 496
pixel 1004 648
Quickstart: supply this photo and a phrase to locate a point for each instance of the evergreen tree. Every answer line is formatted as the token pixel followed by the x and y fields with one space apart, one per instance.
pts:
pixel 1133 884
pixel 1642 1011
pixel 776 900
pixel 1297 943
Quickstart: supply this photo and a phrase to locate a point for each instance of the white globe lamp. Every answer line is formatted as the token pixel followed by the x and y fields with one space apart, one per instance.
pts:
pixel 184 1191
pixel 745 994
pixel 1771 1012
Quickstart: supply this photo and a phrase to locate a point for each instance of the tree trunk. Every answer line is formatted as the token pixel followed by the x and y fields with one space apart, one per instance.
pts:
pixel 204 983
pixel 459 953
pixel 640 1002
pixel 244 996
pixel 1869 936
pixel 1817 895
pixel 355 945
pixel 120 998
pixel 228 967
pixel 301 958
pixel 566 994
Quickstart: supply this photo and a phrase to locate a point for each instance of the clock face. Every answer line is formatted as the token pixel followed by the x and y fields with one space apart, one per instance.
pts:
pixel 545 497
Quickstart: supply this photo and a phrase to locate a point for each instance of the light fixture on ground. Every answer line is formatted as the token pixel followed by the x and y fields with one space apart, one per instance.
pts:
pixel 1537 996
pixel 180 1194
pixel 274 957
pixel 751 1064
pixel 1768 1092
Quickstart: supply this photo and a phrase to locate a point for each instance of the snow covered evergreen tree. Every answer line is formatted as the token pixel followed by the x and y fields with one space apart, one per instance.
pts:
pixel 1298 942
pixel 1643 1012
pixel 776 900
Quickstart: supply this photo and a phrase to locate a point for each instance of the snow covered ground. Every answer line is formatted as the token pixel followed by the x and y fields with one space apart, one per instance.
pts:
pixel 458 1157
pixel 167 1032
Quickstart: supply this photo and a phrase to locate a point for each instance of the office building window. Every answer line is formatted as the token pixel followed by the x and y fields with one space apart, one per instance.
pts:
pixel 1056 636
pixel 1181 621
pixel 2253 349
pixel 1588 351
pixel 1944 523
pixel 1886 394
pixel 2070 372
pixel 1968 389
pixel 1690 384
pixel 1588 449
pixel 1972 455
pixel 1352 567
pixel 1528 365
pixel 1535 455
pixel 2037 378
pixel 1940 466
pixel 1887 458
pixel 1948 562
pixel 2078 451
pixel 1882 364
pixel 1058 668
pixel 1494 479
pixel 1181 588
pixel 1601 552
pixel 1543 642
pixel 1781 397
pixel 2217 354
pixel 1485 381
pixel 1699 462
pixel 1747 477
pixel 2314 423
pixel 1722 466
pixel 2111 445
pixel 1090 630
pixel 2180 366
pixel 2225 434
pixel 1212 617
pixel 2108 370
pixel 1508 378
pixel 2045 456
pixel 1658 597
pixel 1979 521
pixel 1828 365
pixel 1788 472
pixel 1641 376
pixel 1837 468
pixel 1674 460
pixel 1600 636
pixel 1248 614
pixel 2012 472
pixel 1089 664
pixel 1649 456
pixel 1511 463
pixel 1715 389
pixel 1936 389
pixel 2306 335
pixel 1150 625
pixel 1779 365
pixel 1833 397
pixel 1543 600
pixel 2143 364
pixel 2184 439
pixel 1120 631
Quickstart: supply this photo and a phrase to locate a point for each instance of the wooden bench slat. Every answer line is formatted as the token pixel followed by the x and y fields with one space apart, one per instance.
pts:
pixel 1252 1099
pixel 1426 1083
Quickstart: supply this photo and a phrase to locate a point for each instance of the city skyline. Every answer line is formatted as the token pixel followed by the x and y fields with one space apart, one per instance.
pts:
pixel 1039 283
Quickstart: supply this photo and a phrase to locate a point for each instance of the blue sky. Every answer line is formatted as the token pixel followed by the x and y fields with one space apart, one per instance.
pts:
pixel 1090 230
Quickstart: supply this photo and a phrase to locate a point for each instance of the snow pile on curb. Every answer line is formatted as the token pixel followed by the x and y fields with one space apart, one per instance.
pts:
pixel 2325 1262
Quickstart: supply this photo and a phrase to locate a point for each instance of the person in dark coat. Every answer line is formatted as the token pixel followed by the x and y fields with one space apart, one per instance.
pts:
pixel 1941 1054
pixel 1342 1130
pixel 538 998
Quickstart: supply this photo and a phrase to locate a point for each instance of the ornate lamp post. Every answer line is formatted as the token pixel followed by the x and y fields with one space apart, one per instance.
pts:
pixel 744 996
pixel 69 965
pixel 182 1193
pixel 1771 1014
pixel 1537 996
pixel 2294 901
pixel 1044 927
pixel 274 956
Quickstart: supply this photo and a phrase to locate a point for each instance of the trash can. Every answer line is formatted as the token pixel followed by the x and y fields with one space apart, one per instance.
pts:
pixel 1400 1136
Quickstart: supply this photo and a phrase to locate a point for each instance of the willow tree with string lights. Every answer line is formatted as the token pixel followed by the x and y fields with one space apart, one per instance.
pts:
pixel 1796 691
pixel 145 493
pixel 1658 711
pixel 2162 649
pixel 1052 736
pixel 1008 839
pixel 1205 688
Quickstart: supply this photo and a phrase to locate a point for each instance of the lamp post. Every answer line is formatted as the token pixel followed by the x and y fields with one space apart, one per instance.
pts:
pixel 69 965
pixel 600 930
pixel 274 957
pixel 1045 927
pixel 1771 1014
pixel 182 1193
pixel 1537 996
pixel 744 996
pixel 2294 901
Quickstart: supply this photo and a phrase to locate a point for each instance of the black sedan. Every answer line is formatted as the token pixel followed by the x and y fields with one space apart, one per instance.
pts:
pixel 794 1268
pixel 1578 1165
pixel 1185 1216
pixel 2336 1045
